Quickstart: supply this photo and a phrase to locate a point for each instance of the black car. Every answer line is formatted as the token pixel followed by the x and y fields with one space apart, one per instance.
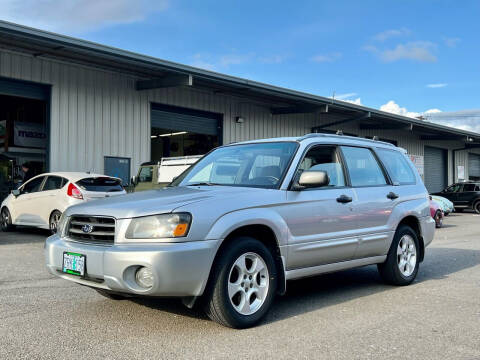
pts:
pixel 465 195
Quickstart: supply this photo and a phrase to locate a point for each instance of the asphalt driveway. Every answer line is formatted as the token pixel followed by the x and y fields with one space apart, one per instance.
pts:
pixel 343 316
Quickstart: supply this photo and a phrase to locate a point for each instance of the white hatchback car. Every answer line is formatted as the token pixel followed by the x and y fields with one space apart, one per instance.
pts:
pixel 41 201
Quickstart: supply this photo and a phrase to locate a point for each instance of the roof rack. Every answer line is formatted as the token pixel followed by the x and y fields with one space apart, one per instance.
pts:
pixel 314 135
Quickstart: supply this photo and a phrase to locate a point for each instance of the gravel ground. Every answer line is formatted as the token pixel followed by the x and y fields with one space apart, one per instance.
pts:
pixel 346 315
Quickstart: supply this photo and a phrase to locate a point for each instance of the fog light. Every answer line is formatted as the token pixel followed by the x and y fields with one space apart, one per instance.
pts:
pixel 144 277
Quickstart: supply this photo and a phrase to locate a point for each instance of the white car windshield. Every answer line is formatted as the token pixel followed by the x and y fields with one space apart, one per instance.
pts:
pixel 249 165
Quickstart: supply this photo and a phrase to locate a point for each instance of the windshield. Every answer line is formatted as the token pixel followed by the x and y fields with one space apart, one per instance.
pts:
pixel 250 165
pixel 102 184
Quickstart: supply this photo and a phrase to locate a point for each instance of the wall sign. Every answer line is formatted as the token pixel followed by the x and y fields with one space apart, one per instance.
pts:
pixel 461 172
pixel 29 135
pixel 417 160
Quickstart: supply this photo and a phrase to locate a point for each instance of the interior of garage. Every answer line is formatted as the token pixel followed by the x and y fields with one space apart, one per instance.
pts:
pixel 23 139
pixel 180 132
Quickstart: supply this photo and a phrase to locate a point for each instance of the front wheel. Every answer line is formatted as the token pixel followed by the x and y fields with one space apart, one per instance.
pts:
pixel 54 220
pixel 6 220
pixel 401 266
pixel 476 207
pixel 243 284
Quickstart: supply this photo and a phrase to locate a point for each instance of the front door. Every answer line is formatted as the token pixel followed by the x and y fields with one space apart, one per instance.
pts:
pixel 321 222
pixel 26 207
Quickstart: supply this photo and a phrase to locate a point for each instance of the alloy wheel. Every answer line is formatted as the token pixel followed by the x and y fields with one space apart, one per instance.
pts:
pixel 248 283
pixel 406 255
pixel 55 218
pixel 5 219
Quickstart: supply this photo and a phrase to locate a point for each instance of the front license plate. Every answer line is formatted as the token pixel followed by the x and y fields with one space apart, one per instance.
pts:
pixel 74 263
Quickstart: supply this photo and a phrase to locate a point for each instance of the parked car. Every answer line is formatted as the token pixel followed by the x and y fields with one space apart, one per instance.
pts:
pixel 445 204
pixel 436 212
pixel 41 201
pixel 156 175
pixel 246 218
pixel 465 195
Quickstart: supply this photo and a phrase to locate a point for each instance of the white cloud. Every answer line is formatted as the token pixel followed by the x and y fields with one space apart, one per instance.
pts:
pixel 394 108
pixel 387 34
pixel 436 86
pixel 345 96
pixel 349 97
pixel 422 51
pixel 78 15
pixel 331 57
pixel 451 41
pixel 356 101
pixel 464 119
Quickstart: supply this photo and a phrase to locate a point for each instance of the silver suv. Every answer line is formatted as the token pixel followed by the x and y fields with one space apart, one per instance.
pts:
pixel 247 217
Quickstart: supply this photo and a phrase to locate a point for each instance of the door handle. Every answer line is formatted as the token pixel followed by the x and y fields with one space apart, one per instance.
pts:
pixel 392 196
pixel 344 199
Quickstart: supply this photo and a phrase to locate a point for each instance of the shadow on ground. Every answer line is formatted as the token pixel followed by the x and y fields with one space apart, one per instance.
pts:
pixel 24 235
pixel 314 293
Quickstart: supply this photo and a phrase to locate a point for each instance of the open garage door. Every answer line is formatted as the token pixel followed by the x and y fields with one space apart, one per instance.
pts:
pixel 473 166
pixel 180 132
pixel 435 169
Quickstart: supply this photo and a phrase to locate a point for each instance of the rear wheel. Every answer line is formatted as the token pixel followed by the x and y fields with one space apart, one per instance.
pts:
pixel 243 284
pixel 6 220
pixel 402 262
pixel 438 219
pixel 54 220
pixel 476 207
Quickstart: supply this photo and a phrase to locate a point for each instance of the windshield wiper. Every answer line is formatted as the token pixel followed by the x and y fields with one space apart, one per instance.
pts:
pixel 204 183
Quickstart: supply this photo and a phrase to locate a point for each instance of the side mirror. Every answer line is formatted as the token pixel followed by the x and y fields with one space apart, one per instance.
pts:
pixel 16 192
pixel 312 179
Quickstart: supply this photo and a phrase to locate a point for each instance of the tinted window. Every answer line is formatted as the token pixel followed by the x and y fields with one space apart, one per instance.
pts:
pixel 397 166
pixel 454 188
pixel 324 158
pixel 363 168
pixel 54 183
pixel 104 184
pixel 33 185
pixel 145 174
pixel 469 187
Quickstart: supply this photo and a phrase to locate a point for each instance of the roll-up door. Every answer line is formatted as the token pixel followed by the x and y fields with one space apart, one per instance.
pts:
pixel 24 89
pixel 435 169
pixel 474 166
pixel 190 122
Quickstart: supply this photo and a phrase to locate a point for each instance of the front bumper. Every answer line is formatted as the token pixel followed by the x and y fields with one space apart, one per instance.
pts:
pixel 179 269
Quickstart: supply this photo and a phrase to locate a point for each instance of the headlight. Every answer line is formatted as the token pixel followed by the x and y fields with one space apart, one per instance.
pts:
pixel 159 226
pixel 61 224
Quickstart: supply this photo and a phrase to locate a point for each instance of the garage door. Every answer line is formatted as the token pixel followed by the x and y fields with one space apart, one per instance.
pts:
pixel 185 120
pixel 474 166
pixel 24 89
pixel 435 169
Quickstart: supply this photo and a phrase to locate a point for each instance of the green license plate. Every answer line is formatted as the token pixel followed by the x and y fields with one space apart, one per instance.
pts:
pixel 74 263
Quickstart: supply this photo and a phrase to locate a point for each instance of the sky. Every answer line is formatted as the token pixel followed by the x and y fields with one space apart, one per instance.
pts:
pixel 408 57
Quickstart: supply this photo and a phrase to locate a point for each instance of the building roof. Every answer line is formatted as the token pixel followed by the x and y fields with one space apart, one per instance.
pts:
pixel 42 43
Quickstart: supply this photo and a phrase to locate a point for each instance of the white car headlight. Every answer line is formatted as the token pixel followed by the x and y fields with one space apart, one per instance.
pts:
pixel 159 226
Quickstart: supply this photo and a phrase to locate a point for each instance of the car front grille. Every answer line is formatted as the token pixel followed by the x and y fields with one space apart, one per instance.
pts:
pixel 92 229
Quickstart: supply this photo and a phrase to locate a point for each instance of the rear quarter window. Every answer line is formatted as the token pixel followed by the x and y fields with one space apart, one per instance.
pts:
pixel 397 166
pixel 101 184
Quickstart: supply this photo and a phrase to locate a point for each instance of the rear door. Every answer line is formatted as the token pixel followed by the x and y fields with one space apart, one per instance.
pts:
pixel 373 206
pixel 52 197
pixel 26 208
pixel 466 195
pixel 100 187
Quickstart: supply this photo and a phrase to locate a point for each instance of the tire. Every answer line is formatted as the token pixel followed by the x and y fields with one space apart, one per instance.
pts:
pixel 390 269
pixel 476 207
pixel 459 210
pixel 6 220
pixel 227 305
pixel 110 295
pixel 438 219
pixel 54 219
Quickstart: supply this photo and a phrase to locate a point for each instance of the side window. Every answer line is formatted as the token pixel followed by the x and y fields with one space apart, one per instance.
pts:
pixel 362 166
pixel 54 183
pixel 469 187
pixel 146 174
pixel 397 166
pixel 454 188
pixel 324 158
pixel 33 185
pixel 477 188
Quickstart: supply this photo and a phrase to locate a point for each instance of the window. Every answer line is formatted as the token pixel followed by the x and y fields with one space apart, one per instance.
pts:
pixel 453 188
pixel 33 185
pixel 324 158
pixel 54 183
pixel 362 167
pixel 397 166
pixel 146 174
pixel 103 184
pixel 469 187
pixel 250 165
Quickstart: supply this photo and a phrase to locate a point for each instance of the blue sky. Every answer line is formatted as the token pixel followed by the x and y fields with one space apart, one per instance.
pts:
pixel 407 56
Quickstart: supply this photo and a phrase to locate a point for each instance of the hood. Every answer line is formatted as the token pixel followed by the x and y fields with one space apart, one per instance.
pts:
pixel 152 202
